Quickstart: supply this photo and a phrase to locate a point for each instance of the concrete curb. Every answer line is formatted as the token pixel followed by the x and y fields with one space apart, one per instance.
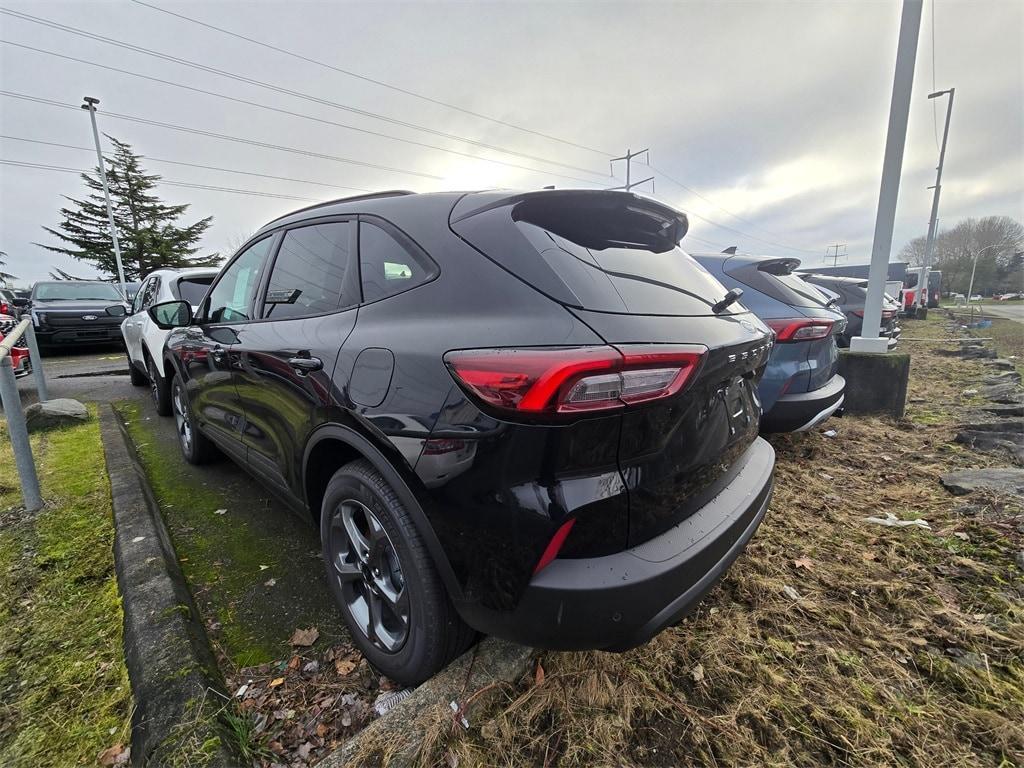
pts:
pixel 174 677
pixel 395 738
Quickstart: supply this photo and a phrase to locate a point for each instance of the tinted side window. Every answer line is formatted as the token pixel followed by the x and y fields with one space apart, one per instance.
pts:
pixel 309 271
pixel 230 298
pixel 137 301
pixel 192 289
pixel 386 266
pixel 152 288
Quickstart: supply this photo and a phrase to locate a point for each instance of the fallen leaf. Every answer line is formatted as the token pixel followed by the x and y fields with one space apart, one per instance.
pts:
pixel 112 755
pixel 538 675
pixel 919 641
pixel 276 747
pixel 312 666
pixel 269 582
pixel 304 750
pixel 344 667
pixel 220 511
pixel 264 567
pixel 293 662
pixel 321 730
pixel 697 673
pixel 961 535
pixel 276 682
pixel 868 556
pixel 304 637
pixel 804 562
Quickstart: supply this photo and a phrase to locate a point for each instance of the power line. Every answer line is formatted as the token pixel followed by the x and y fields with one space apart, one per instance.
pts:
pixel 186 184
pixel 195 165
pixel 374 81
pixel 288 112
pixel 280 89
pixel 224 137
pixel 694 192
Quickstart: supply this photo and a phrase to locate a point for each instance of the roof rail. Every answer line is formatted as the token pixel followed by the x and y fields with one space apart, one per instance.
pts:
pixel 369 196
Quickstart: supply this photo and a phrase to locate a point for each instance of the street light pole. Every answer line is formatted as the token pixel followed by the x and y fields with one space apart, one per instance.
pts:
pixel 90 105
pixel 892 165
pixel 934 220
pixel 974 266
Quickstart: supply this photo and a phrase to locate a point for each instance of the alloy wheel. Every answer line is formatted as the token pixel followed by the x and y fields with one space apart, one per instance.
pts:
pixel 154 382
pixel 365 567
pixel 181 418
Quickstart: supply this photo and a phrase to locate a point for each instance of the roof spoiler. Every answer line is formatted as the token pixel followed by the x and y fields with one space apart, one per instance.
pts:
pixel 671 224
pixel 783 266
pixel 730 250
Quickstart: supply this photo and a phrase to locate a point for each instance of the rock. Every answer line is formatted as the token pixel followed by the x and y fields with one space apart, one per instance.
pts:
pixel 1008 410
pixel 55 413
pixel 1001 364
pixel 1002 378
pixel 1009 480
pixel 1003 393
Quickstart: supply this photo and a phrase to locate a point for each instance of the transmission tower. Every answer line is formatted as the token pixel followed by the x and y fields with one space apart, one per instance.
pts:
pixel 628 157
pixel 836 256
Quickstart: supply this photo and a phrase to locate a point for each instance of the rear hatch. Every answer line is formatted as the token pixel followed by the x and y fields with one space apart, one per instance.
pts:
pixel 613 260
pixel 777 279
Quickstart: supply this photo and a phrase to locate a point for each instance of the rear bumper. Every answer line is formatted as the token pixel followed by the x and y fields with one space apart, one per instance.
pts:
pixel 622 600
pixel 803 411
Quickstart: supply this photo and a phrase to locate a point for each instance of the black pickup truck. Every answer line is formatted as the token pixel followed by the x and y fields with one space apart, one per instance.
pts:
pixel 77 312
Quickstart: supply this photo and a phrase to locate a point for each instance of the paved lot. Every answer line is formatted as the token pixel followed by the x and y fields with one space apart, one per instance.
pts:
pixel 89 374
pixel 1009 310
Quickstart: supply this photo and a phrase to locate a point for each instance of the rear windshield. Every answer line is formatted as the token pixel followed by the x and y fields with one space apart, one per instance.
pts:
pixel 193 289
pixel 600 253
pixel 775 278
pixel 70 291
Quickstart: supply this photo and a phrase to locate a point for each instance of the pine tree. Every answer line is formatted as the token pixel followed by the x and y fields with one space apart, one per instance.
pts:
pixel 146 227
pixel 4 276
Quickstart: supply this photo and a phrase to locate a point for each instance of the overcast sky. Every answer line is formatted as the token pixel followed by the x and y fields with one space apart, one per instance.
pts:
pixel 774 112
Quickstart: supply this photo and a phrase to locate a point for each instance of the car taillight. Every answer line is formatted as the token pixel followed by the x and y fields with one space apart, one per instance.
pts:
pixel 554 546
pixel 800 329
pixel 570 380
pixel 887 314
pixel 4 308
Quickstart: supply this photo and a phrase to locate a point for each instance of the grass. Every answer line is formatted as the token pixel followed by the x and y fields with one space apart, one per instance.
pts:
pixel 64 691
pixel 902 647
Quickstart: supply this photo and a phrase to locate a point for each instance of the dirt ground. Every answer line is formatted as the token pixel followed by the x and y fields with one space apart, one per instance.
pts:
pixel 833 640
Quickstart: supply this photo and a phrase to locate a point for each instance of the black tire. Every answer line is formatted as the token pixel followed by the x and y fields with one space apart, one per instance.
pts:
pixel 138 377
pixel 159 388
pixel 195 446
pixel 433 632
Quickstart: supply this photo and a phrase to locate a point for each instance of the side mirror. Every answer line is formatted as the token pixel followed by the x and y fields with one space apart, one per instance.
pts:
pixel 171 314
pixel 116 310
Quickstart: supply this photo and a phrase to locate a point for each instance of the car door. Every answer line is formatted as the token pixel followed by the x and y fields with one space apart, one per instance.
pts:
pixel 286 356
pixel 205 347
pixel 132 326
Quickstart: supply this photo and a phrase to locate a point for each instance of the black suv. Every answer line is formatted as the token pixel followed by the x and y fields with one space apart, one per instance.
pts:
pixel 530 415
pixel 77 312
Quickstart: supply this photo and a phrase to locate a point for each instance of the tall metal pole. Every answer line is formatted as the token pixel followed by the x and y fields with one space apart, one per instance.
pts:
pixel 892 165
pixel 90 105
pixel 18 434
pixel 933 222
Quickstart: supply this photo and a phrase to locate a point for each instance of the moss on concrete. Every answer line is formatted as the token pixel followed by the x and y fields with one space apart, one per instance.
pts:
pixel 64 691
pixel 254 569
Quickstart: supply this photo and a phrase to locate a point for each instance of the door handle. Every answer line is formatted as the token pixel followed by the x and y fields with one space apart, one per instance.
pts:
pixel 304 365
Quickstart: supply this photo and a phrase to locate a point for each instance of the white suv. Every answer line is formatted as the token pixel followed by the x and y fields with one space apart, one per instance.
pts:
pixel 144 341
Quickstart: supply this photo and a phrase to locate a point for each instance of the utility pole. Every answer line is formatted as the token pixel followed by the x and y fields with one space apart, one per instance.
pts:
pixel 933 222
pixel 836 255
pixel 90 106
pixel 628 157
pixel 889 191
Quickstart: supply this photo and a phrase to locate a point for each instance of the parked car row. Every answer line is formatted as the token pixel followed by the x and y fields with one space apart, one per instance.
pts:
pixel 505 412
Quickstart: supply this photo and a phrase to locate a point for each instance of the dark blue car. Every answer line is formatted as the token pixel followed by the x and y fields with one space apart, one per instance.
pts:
pixel 801 386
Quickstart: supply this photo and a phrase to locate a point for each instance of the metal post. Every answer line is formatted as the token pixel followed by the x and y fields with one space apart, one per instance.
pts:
pixel 90 105
pixel 37 364
pixel 933 222
pixel 892 165
pixel 19 436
